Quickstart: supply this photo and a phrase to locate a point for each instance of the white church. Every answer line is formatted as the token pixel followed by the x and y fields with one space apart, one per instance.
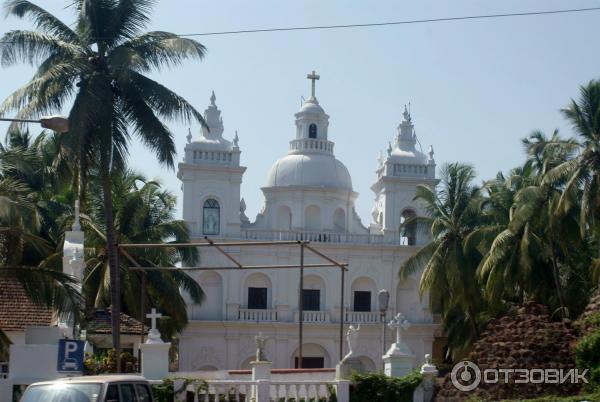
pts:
pixel 308 196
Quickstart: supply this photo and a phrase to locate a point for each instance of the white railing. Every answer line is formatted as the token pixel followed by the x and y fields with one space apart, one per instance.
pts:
pixel 316 237
pixel 363 317
pixel 312 316
pixel 297 390
pixel 247 314
pixel 214 390
pixel 3 370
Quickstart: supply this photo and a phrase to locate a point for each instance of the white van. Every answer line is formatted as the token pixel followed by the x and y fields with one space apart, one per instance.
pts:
pixel 104 388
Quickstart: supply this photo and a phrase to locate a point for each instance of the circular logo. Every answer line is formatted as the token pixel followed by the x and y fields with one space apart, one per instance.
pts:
pixel 465 376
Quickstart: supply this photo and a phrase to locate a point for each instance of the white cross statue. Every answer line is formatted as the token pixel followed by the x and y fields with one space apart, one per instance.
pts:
pixel 399 323
pixel 153 316
pixel 313 77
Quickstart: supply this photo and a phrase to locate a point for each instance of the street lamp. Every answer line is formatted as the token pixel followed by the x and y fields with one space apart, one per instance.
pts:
pixel 56 123
pixel 384 300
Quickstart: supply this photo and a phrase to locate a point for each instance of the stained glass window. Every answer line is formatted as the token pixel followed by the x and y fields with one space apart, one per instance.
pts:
pixel 211 217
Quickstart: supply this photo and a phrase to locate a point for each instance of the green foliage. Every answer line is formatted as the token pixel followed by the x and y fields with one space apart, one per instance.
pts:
pixel 591 321
pixel 587 356
pixel 530 235
pixel 577 398
pixel 99 66
pixel 377 387
pixel 106 363
pixel 33 190
pixel 448 263
pixel 164 392
pixel 144 213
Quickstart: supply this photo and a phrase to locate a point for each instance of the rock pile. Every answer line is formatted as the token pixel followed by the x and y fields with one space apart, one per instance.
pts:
pixel 528 340
pixel 589 319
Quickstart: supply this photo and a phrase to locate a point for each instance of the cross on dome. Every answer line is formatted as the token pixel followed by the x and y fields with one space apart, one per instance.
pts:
pixel 313 77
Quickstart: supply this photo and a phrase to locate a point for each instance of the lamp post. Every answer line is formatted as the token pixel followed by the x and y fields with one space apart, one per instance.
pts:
pixel 56 123
pixel 384 300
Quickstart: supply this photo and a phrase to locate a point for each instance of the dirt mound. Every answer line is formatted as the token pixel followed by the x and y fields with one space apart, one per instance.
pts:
pixel 528 340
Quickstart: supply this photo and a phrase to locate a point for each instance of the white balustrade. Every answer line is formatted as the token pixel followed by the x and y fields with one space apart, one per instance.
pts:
pixel 247 314
pixel 264 390
pixel 317 237
pixel 312 316
pixel 363 317
pixel 296 390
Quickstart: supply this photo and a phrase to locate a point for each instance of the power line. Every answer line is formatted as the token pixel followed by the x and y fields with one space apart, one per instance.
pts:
pixel 390 23
pixel 406 22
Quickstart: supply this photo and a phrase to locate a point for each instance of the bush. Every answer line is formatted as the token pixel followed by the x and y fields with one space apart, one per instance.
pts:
pixel 587 356
pixel 376 387
pixel 106 363
pixel 164 392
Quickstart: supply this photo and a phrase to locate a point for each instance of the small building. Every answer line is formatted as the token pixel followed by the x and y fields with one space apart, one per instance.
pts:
pixel 99 331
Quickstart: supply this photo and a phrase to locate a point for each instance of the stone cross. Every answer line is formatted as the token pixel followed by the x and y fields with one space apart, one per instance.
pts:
pixel 153 316
pixel 399 323
pixel 313 77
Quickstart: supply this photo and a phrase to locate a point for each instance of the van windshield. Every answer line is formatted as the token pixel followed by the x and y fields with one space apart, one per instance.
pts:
pixel 62 392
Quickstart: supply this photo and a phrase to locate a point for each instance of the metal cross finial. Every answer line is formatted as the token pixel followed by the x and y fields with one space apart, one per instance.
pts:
pixel 153 316
pixel 313 77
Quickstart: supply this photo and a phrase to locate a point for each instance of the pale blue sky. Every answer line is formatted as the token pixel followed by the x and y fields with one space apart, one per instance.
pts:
pixel 476 87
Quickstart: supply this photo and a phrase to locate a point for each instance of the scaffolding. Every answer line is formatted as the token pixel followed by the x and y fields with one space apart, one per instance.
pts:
pixel 221 248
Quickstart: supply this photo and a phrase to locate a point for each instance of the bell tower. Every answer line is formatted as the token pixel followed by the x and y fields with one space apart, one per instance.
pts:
pixel 398 175
pixel 211 177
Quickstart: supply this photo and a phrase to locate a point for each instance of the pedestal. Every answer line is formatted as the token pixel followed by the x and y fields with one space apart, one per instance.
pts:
pixel 261 373
pixel 429 372
pixel 398 361
pixel 344 369
pixel 261 370
pixel 155 360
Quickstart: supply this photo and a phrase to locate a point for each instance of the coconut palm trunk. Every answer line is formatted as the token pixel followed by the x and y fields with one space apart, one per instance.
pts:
pixel 113 263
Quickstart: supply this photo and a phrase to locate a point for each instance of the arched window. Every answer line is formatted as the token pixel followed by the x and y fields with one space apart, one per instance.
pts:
pixel 284 218
pixel 339 220
pixel 211 217
pixel 312 218
pixel 408 231
pixel 312 131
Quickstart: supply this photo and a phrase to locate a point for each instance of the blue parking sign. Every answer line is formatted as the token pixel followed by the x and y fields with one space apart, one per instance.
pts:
pixel 70 356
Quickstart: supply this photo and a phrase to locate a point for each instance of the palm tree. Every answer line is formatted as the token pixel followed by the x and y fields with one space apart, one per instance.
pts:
pixel 583 171
pixel 98 67
pixel 448 276
pixel 27 252
pixel 143 214
pixel 537 254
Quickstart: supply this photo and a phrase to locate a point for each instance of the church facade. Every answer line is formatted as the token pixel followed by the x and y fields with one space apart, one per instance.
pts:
pixel 308 196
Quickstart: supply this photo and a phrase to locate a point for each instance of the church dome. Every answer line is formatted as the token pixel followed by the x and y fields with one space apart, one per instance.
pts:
pixel 309 170
pixel 311 106
pixel 310 161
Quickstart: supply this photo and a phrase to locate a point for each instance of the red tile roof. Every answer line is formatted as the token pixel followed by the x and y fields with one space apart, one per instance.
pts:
pixel 100 323
pixel 17 311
